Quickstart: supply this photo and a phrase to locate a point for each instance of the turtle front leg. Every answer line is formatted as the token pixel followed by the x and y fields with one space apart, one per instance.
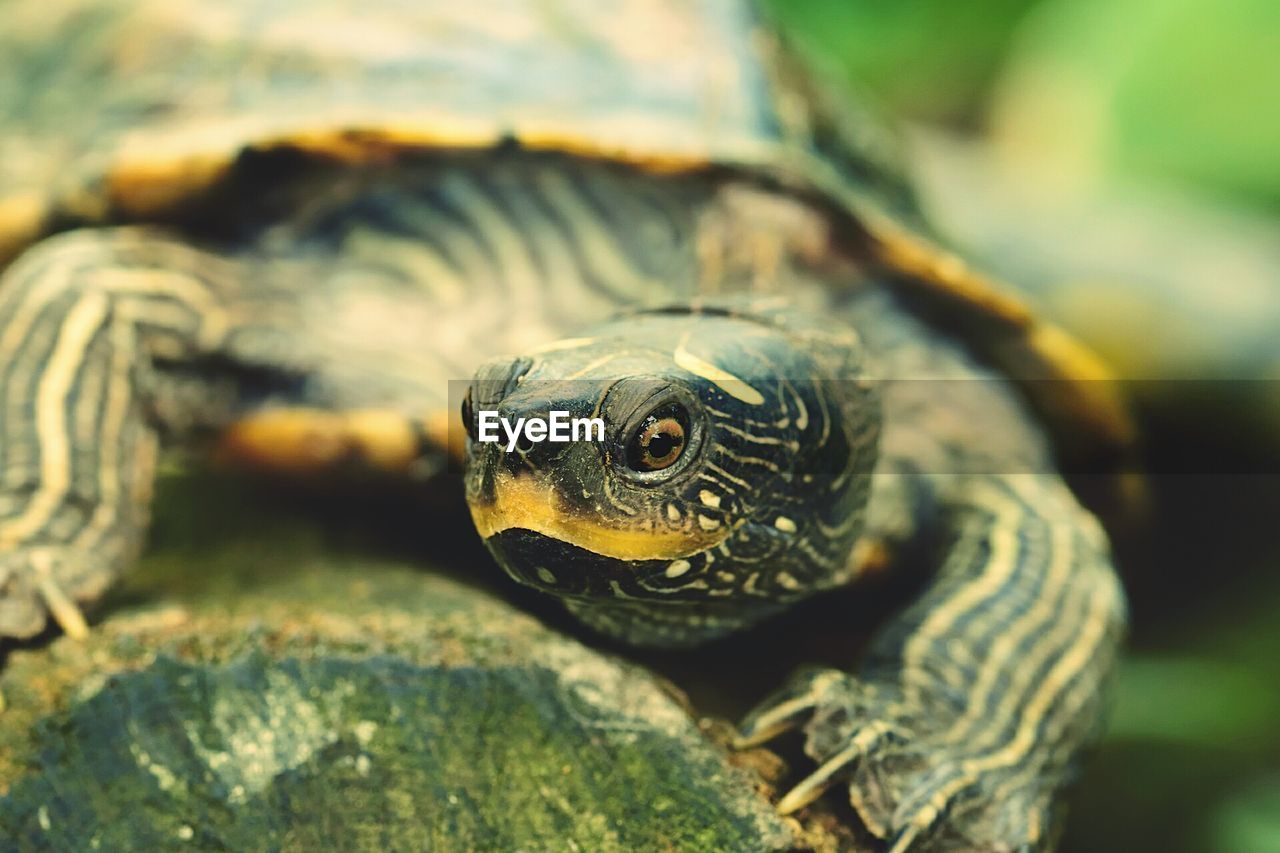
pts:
pixel 83 318
pixel 968 716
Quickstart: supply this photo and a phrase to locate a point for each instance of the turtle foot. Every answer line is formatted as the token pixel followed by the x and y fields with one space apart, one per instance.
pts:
pixel 38 582
pixel 910 783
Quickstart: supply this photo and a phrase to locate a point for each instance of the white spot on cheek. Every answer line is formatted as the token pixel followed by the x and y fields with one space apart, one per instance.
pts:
pixel 708 523
pixel 678 568
pixel 709 498
pixel 785 524
pixel 673 512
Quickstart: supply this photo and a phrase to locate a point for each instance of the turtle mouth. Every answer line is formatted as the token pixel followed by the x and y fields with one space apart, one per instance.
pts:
pixel 531 504
pixel 568 570
pixel 644 602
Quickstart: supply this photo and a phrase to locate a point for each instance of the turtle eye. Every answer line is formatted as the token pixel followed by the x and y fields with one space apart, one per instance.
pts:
pixel 659 440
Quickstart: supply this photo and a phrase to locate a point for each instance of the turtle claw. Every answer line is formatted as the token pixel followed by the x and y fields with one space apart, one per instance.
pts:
pixel 34 587
pixel 787 709
pixel 63 609
pixel 909 786
pixel 861 745
pixel 817 782
pixel 809 700
pixel 914 824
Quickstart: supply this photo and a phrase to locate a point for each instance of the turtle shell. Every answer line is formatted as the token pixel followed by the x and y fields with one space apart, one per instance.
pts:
pixel 140 110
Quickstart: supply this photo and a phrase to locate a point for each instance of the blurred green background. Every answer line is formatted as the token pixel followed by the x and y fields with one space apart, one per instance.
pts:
pixel 1185 92
pixel 1136 143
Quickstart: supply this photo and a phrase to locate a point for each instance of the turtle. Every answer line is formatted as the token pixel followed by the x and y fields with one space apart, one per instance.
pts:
pixel 328 699
pixel 302 238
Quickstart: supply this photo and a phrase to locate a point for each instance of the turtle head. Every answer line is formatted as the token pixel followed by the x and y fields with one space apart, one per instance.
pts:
pixel 716 468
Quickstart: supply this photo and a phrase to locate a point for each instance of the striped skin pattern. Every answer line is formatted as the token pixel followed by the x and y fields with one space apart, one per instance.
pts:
pixel 80 323
pixel 970 709
pixel 761 510
pixel 972 706
pixel 109 338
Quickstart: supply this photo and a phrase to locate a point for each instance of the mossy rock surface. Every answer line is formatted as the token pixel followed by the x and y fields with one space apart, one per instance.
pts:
pixel 328 702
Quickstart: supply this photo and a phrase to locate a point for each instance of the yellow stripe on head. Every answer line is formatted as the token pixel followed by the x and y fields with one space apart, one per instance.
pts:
pixel 722 379
pixel 529 503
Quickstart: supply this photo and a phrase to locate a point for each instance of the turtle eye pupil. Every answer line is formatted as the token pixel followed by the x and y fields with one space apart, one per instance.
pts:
pixel 661 445
pixel 659 440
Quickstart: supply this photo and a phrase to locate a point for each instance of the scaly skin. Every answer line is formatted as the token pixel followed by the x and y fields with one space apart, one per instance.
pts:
pixel 968 712
pixel 343 313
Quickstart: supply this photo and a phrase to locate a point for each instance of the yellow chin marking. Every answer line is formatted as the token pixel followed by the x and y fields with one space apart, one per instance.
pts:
pixel 531 504
pixel 725 381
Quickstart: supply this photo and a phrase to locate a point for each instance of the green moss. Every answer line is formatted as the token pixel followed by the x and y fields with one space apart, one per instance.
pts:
pixel 255 687
pixel 374 753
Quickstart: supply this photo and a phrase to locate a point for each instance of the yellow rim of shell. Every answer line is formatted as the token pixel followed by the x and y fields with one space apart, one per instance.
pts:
pixel 154 176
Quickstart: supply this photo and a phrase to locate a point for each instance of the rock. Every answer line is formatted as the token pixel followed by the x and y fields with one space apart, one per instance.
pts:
pixel 289 698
